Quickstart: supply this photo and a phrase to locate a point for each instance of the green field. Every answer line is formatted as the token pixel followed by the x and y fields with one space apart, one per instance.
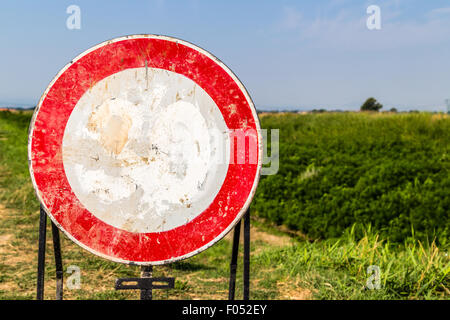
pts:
pixel 354 190
pixel 387 171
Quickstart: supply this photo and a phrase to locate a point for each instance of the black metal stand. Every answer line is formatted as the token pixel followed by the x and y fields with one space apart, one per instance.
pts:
pixel 41 257
pixel 146 283
pixel 234 256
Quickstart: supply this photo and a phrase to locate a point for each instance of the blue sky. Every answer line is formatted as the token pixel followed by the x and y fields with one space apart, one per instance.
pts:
pixel 289 54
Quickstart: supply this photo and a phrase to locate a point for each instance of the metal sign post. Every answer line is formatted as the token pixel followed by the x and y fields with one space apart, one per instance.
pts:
pixel 145 150
pixel 41 258
pixel 145 282
pixel 234 256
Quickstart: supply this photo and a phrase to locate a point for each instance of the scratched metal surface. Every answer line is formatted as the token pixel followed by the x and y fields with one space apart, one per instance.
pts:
pixel 129 150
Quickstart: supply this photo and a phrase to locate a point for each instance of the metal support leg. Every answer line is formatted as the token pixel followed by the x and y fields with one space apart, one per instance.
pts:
pixel 58 262
pixel 233 264
pixel 41 257
pixel 247 255
pixel 41 254
pixel 146 272
pixel 234 256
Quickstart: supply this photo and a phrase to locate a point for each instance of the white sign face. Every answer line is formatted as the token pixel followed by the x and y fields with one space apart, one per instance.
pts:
pixel 143 150
pixel 132 150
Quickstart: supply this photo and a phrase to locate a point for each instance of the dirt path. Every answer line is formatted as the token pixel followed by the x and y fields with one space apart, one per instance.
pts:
pixel 257 234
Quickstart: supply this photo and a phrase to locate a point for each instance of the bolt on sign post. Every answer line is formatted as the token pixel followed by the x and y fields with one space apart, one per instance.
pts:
pixel 145 150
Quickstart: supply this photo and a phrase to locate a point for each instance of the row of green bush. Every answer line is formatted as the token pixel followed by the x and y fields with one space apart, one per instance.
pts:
pixel 338 169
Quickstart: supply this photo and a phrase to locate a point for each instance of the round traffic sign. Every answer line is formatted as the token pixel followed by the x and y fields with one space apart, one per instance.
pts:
pixel 145 149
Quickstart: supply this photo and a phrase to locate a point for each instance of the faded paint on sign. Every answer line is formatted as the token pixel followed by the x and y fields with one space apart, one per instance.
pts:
pixel 144 155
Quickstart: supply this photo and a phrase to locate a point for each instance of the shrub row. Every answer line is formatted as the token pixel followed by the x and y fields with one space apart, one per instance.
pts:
pixel 338 169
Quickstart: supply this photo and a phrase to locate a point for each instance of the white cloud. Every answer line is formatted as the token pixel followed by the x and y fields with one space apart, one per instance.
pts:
pixel 291 18
pixel 342 25
pixel 347 31
pixel 440 11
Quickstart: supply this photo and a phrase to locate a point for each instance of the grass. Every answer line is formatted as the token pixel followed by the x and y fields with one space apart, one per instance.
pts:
pixel 284 265
pixel 337 269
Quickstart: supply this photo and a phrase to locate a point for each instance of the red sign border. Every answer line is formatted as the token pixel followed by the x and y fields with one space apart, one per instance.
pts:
pixel 140 248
